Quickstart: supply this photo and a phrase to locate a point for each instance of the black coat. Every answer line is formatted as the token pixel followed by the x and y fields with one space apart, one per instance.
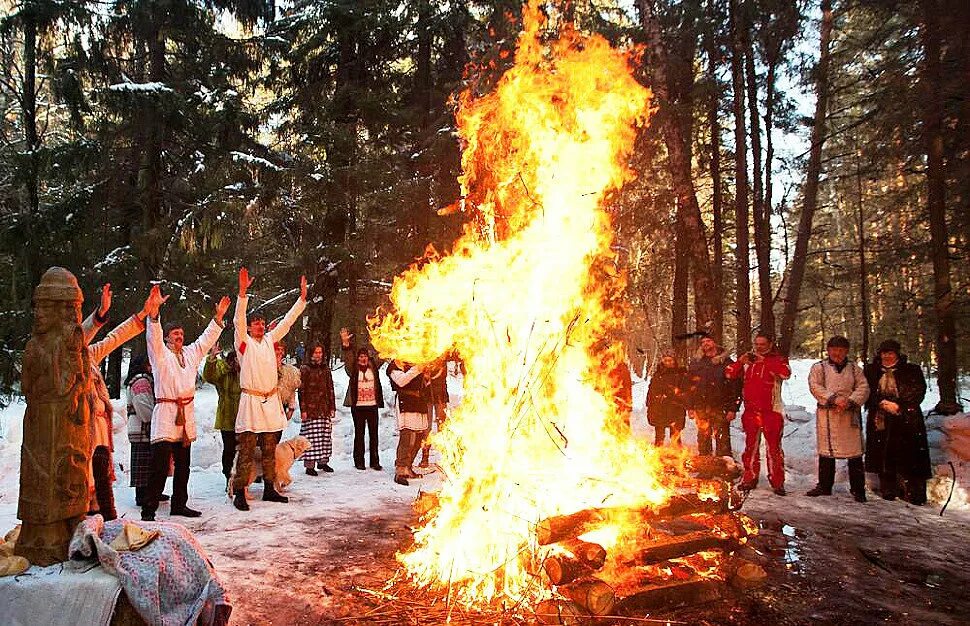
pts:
pixel 710 389
pixel 901 446
pixel 667 396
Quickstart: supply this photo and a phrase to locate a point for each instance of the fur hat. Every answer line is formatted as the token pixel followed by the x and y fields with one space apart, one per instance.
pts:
pixel 889 345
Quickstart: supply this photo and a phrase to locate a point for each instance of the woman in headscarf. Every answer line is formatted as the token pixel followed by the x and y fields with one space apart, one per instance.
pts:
pixel 896 444
pixel 317 408
pixel 141 401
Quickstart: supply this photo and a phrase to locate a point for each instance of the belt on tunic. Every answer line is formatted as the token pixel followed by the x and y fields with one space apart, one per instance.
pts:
pixel 180 407
pixel 265 395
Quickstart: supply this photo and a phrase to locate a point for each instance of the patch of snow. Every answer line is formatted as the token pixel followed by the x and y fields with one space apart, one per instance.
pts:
pixel 153 87
pixel 254 160
pixel 114 257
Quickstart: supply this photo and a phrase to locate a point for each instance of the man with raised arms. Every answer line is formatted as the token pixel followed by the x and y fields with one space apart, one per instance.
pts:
pixel 260 418
pixel 175 367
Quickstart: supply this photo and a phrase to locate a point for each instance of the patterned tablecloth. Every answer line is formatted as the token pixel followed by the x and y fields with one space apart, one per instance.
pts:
pixel 169 582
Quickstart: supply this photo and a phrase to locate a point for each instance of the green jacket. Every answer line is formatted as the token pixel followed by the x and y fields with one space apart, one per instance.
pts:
pixel 226 382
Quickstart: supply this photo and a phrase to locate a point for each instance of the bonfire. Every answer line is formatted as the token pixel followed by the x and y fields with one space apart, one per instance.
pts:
pixel 545 485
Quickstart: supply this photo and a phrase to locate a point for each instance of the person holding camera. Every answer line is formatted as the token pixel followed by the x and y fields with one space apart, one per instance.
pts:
pixel 763 371
pixel 840 388
pixel 896 444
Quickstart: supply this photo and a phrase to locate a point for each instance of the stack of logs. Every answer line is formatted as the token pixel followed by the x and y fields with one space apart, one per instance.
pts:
pixel 653 576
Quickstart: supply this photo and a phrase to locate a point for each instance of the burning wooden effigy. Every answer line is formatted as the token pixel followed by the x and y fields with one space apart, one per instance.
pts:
pixel 549 502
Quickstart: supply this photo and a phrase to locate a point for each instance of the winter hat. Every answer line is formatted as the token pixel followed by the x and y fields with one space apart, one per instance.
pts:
pixel 669 352
pixel 889 345
pixel 838 342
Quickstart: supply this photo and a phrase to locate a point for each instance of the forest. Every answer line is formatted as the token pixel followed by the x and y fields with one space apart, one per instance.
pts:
pixel 805 171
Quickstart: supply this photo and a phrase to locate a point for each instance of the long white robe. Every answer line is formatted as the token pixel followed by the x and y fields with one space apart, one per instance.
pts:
pixel 257 371
pixel 174 381
pixel 101 409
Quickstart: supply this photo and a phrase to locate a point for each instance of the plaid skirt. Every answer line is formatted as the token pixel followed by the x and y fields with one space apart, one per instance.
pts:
pixel 320 433
pixel 141 464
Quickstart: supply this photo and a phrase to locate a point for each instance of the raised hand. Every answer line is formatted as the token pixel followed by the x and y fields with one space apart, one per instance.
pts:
pixel 244 282
pixel 105 300
pixel 303 288
pixel 154 302
pixel 345 336
pixel 221 307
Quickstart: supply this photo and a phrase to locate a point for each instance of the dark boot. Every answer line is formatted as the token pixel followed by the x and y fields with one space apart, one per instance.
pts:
pixel 141 496
pixel 888 486
pixel 185 511
pixel 857 479
pixel 271 495
pixel 915 491
pixel 826 477
pixel 239 501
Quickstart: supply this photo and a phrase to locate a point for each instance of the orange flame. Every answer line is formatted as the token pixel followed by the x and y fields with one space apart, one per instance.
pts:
pixel 530 301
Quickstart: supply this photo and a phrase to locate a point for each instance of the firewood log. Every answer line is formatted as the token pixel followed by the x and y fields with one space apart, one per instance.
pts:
pixel 592 594
pixel 562 568
pixel 678 546
pixel 560 527
pixel 670 595
pixel 560 612
pixel 592 554
pixel 715 466
pixel 728 523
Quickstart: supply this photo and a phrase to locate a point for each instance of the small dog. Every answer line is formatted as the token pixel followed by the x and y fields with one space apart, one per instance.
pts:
pixel 286 453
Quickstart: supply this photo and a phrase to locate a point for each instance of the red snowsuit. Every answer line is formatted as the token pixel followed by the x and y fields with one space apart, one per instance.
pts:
pixel 762 413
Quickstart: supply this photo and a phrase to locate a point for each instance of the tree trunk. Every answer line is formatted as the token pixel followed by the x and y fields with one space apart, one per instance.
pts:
pixel 678 317
pixel 742 262
pixel 32 144
pixel 769 159
pixel 796 273
pixel 863 264
pixel 680 171
pixel 932 108
pixel 340 225
pixel 762 228
pixel 150 246
pixel 713 114
pixel 423 164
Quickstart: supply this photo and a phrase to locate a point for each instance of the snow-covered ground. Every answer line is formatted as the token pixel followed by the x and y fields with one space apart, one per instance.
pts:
pixel 338 526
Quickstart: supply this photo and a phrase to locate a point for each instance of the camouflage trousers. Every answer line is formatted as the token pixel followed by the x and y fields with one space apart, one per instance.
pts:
pixel 245 461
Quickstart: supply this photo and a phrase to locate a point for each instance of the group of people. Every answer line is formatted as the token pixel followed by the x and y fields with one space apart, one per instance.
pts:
pixel 256 397
pixel 712 388
pixel 258 393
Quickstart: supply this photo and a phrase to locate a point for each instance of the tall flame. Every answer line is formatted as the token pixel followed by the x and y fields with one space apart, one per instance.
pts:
pixel 530 299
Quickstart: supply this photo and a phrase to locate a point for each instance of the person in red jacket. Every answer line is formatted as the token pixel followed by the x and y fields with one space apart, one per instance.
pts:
pixel 763 372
